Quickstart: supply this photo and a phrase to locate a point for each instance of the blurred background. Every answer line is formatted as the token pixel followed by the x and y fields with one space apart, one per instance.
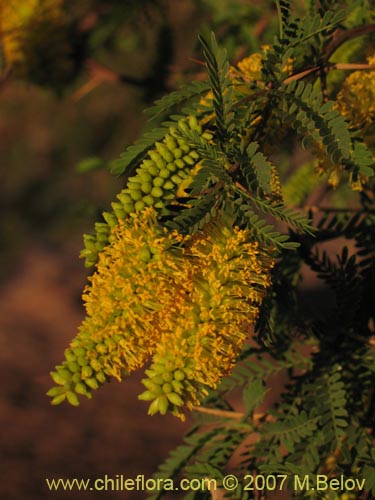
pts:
pixel 74 80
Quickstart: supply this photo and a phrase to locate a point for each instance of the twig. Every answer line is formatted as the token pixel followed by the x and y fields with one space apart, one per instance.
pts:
pixel 353 66
pixel 99 74
pixel 341 36
pixel 300 75
pixel 219 413
pixel 226 413
pixel 315 208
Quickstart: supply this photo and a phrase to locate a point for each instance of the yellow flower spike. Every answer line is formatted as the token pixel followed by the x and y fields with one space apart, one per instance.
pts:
pixel 230 279
pixel 188 310
pixel 125 311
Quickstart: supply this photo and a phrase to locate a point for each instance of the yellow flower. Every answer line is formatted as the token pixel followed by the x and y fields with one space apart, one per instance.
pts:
pixel 356 102
pixel 230 278
pixel 356 99
pixel 134 284
pixel 251 66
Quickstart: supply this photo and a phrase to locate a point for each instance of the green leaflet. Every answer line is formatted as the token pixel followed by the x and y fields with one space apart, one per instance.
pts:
pixel 170 101
pixel 319 123
pixel 217 68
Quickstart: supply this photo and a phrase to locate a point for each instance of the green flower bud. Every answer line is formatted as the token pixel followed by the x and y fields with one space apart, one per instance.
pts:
pixel 153 169
pixel 193 122
pixel 183 126
pixel 194 155
pixel 183 145
pixel 178 153
pixel 56 391
pixel 167 387
pixel 86 372
pixel 151 373
pixel 80 388
pixel 170 142
pixel 177 386
pixel 158 181
pixel 168 376
pixel 69 356
pixel 110 219
pixel 189 160
pixel 169 196
pixel 146 396
pixel 124 198
pixel 153 408
pixel 134 186
pixel 89 241
pixel 145 177
pixel 72 398
pixel 148 383
pixel 156 192
pixel 158 379
pixel 102 227
pixel 139 205
pixel 159 161
pixel 79 351
pixel 146 187
pixel 144 254
pixel 73 366
pixel 168 185
pixel 64 373
pixel 164 173
pixel 148 200
pixel 101 237
pixel 129 208
pixel 76 378
pixel 92 383
pixel 164 151
pixel 180 163
pixel 95 365
pixel 183 174
pixel 179 375
pixel 147 164
pixel 101 349
pixel 176 179
pixel 136 194
pixel 100 377
pixel 120 213
pixel 163 404
pixel 175 399
pixel 58 399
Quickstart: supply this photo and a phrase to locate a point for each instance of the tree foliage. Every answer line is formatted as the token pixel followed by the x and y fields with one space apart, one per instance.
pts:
pixel 239 128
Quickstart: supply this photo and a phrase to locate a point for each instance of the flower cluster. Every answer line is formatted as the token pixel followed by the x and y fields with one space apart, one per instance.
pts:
pixel 185 303
pixel 35 40
pixel 251 66
pixel 356 101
